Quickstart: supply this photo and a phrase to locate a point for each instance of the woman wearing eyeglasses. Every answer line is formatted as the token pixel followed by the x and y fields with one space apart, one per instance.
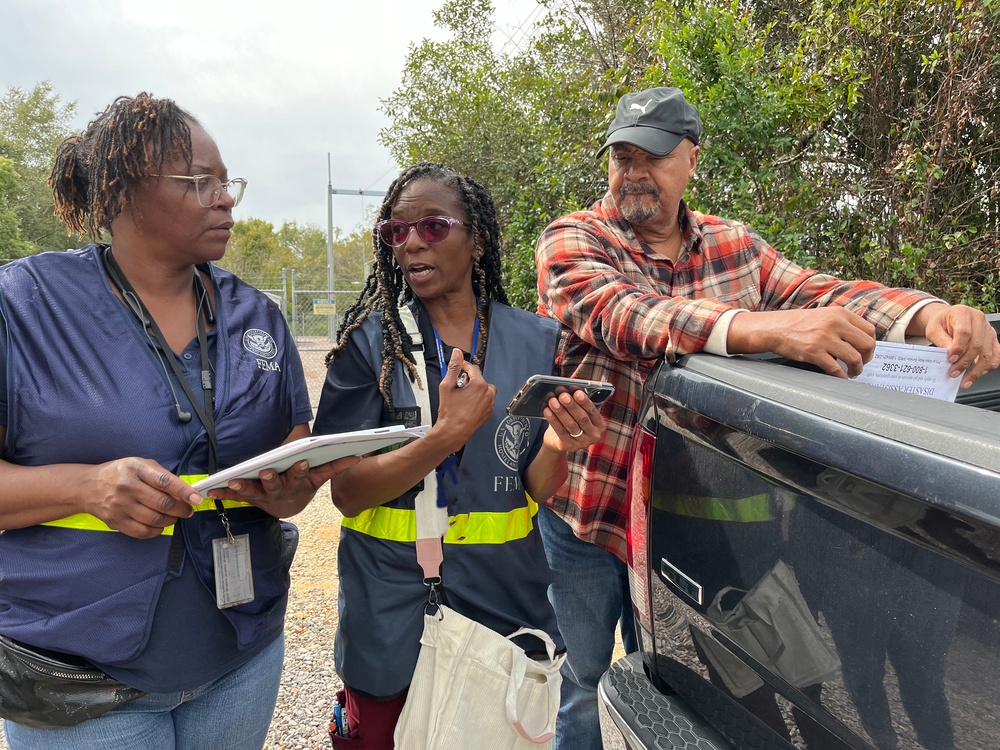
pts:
pixel 126 371
pixel 437 259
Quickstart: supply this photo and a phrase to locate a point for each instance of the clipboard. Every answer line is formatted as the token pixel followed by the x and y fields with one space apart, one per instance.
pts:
pixel 317 449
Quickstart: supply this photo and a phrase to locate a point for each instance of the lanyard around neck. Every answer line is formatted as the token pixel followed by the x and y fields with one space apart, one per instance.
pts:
pixel 447 468
pixel 442 362
pixel 134 302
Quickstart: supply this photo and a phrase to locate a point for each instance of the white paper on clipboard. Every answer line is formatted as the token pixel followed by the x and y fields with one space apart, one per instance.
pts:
pixel 318 449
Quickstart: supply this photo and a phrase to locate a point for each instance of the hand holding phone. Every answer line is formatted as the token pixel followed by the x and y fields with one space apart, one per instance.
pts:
pixel 534 395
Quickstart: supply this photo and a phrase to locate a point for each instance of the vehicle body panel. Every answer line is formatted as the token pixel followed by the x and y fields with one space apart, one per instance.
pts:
pixel 884 506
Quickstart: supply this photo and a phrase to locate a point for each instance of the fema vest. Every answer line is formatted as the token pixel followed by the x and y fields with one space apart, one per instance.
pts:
pixel 84 386
pixel 494 568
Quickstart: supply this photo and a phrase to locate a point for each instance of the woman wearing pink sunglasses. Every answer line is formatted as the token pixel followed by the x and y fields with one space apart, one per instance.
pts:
pixel 437 273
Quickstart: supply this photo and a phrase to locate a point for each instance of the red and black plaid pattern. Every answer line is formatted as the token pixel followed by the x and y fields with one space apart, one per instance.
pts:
pixel 623 307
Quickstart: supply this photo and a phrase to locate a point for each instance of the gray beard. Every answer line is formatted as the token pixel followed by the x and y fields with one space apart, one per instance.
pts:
pixel 638 213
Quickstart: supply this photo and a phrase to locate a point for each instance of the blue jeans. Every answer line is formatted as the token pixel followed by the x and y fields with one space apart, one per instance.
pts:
pixel 231 713
pixel 590 595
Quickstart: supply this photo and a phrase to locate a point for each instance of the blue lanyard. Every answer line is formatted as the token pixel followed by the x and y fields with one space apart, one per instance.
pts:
pixel 442 362
pixel 448 467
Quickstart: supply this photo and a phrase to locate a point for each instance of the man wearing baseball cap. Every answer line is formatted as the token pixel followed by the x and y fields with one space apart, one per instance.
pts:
pixel 641 276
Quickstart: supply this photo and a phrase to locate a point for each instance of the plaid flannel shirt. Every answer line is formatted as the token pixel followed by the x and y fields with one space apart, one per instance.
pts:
pixel 622 307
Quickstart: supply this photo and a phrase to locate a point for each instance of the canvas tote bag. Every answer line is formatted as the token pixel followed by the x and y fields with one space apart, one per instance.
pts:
pixel 472 687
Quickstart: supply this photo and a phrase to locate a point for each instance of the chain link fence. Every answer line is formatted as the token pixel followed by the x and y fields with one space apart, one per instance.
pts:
pixel 312 316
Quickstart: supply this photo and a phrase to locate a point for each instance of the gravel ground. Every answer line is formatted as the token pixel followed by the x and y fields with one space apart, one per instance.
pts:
pixel 309 681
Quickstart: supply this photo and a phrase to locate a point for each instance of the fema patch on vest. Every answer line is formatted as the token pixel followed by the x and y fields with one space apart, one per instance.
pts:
pixel 260 343
pixel 511 440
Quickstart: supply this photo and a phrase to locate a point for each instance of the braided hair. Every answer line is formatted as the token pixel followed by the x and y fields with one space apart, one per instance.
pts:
pixel 97 171
pixel 385 288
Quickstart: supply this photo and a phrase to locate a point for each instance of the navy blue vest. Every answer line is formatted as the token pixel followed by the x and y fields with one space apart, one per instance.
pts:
pixel 84 386
pixel 503 586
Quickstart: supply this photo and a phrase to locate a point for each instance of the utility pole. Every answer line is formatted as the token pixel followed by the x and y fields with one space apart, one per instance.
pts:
pixel 330 192
pixel 332 320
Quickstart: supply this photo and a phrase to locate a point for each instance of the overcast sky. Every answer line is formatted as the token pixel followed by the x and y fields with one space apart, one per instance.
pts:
pixel 278 83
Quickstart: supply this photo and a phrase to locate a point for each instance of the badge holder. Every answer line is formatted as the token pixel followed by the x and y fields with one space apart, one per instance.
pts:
pixel 233 572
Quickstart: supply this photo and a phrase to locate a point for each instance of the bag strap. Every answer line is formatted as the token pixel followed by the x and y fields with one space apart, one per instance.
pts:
pixel 432 521
pixel 544 671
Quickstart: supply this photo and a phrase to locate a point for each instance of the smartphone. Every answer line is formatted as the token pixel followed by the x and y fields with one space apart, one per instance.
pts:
pixel 534 395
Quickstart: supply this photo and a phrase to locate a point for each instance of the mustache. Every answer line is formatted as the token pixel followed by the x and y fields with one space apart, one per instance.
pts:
pixel 640 188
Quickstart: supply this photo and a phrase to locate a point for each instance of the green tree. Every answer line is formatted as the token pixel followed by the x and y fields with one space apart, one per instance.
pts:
pixel 766 116
pixel 921 144
pixel 32 123
pixel 11 244
pixel 256 254
pixel 307 244
pixel 858 136
pixel 523 122
pixel 259 254
pixel 352 259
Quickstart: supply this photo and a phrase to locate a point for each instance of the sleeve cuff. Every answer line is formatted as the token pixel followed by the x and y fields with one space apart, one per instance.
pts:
pixel 897 331
pixel 718 338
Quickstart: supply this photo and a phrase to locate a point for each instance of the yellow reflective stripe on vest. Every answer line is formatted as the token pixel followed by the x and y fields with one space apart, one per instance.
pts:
pixel 87 522
pixel 400 525
pixel 742 509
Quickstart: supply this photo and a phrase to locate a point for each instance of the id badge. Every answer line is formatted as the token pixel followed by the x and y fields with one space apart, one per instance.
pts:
pixel 233 573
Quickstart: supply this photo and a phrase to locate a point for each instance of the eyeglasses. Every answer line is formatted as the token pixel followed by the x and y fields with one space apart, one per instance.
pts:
pixel 395 232
pixel 209 188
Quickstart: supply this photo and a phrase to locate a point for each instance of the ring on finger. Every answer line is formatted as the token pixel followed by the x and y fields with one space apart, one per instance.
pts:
pixel 576 434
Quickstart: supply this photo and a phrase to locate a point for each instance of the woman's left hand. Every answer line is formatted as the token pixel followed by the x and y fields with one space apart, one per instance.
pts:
pixel 283 495
pixel 574 422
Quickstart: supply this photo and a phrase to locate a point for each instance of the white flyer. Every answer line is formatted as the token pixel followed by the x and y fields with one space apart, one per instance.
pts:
pixel 922 370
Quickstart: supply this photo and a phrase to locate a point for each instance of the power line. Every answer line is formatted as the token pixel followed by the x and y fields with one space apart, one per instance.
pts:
pixel 515 37
pixel 381 176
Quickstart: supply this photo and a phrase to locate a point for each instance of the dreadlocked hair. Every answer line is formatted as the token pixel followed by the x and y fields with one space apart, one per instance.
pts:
pixel 385 288
pixel 97 171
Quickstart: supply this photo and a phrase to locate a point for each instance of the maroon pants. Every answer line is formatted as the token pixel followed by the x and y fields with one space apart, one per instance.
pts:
pixel 371 720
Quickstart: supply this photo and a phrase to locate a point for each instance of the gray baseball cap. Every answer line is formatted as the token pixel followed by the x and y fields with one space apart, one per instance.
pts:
pixel 655 120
